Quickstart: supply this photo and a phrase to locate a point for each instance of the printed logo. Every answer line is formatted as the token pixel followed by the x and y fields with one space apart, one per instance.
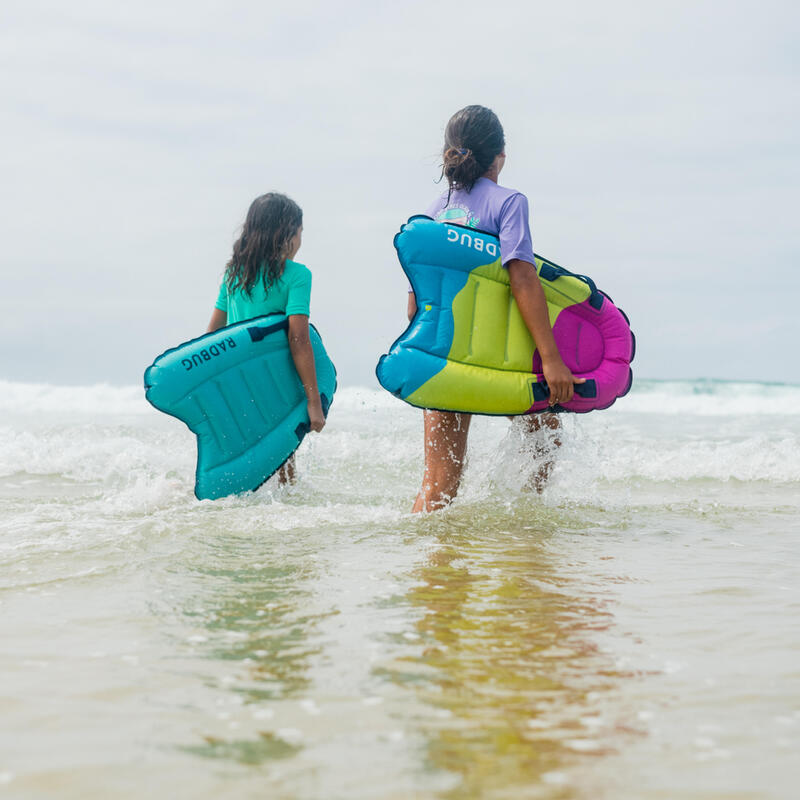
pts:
pixel 469 240
pixel 206 354
pixel 460 215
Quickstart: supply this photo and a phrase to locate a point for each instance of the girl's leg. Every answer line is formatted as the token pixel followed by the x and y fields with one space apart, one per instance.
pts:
pixel 286 474
pixel 445 449
pixel 533 423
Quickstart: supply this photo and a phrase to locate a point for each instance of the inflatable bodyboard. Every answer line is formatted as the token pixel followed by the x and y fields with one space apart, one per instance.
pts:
pixel 238 390
pixel 468 349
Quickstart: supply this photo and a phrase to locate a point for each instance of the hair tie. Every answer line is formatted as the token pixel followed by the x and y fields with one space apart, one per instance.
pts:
pixel 464 151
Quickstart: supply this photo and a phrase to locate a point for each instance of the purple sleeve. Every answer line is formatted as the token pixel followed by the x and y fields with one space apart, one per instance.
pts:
pixel 435 207
pixel 515 231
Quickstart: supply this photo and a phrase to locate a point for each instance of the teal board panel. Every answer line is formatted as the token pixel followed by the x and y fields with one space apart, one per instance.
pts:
pixel 238 391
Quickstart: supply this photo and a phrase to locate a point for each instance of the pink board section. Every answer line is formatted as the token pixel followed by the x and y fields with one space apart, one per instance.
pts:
pixel 595 344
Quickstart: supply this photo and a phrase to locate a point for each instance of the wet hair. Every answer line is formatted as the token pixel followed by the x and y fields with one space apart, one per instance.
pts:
pixel 473 139
pixel 260 251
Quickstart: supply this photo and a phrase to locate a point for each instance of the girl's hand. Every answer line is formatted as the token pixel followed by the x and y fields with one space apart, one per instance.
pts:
pixel 316 418
pixel 560 381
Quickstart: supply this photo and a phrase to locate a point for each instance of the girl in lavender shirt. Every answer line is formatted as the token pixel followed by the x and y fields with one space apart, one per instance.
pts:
pixel 474 154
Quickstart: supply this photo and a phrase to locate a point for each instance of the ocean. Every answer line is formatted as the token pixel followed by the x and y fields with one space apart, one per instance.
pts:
pixel 632 632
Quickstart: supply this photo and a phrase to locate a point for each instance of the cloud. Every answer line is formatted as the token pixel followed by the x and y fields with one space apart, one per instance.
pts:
pixel 658 147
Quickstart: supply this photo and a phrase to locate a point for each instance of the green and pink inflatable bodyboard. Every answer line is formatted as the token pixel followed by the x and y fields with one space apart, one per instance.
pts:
pixel 467 347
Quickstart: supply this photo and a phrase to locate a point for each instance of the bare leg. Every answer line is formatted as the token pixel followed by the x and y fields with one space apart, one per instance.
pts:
pixel 533 424
pixel 445 448
pixel 286 474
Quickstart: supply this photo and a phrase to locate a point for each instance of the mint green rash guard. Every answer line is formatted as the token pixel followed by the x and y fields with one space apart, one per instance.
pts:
pixel 289 294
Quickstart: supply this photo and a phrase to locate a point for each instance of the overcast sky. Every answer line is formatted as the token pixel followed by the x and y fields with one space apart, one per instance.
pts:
pixel 657 143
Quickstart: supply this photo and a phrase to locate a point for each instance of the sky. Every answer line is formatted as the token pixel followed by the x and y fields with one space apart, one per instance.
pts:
pixel 657 143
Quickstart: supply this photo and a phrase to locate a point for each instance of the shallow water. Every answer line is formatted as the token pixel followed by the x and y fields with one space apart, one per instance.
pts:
pixel 631 633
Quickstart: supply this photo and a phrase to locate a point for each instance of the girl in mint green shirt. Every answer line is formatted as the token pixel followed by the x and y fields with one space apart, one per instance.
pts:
pixel 261 277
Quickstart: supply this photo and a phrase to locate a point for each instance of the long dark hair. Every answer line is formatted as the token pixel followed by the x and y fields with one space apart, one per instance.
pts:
pixel 473 139
pixel 260 252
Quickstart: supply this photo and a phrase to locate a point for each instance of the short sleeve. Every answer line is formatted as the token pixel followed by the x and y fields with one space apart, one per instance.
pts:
pixel 435 207
pixel 515 231
pixel 298 300
pixel 222 298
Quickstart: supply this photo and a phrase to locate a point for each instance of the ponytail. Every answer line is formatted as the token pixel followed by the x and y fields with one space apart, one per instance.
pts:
pixel 473 139
pixel 460 167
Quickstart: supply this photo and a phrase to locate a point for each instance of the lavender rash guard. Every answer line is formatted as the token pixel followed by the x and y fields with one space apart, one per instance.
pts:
pixel 493 209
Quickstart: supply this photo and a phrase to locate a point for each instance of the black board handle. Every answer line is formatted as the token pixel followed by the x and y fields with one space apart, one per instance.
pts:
pixel 541 391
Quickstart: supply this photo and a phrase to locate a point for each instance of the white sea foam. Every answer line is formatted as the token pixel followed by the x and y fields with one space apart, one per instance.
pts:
pixel 371 449
pixel 99 400
pixel 694 398
pixel 710 399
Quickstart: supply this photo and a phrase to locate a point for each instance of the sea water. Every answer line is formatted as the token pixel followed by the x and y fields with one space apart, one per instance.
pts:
pixel 632 632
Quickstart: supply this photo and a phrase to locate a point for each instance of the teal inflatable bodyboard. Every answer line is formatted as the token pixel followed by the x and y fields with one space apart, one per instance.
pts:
pixel 238 390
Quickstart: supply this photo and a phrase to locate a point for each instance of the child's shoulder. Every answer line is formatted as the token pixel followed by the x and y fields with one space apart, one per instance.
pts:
pixel 506 193
pixel 294 270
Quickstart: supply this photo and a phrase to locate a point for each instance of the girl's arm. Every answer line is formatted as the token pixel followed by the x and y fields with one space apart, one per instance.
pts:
pixel 412 305
pixel 303 357
pixel 219 319
pixel 528 292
